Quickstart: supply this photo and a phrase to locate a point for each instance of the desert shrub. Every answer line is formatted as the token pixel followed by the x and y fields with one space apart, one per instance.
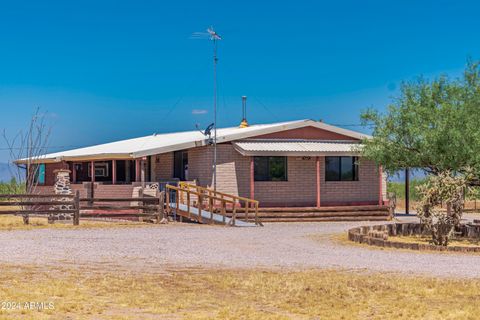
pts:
pixel 447 188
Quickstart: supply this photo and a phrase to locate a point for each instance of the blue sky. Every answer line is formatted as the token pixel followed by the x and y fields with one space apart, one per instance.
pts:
pixel 109 70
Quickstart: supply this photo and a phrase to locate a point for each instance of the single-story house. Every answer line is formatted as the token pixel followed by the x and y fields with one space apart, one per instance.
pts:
pixel 291 164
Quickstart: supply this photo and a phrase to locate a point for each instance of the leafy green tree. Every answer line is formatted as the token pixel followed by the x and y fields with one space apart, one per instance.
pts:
pixel 432 125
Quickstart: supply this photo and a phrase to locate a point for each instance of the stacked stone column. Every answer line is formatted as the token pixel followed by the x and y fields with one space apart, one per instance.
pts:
pixel 62 187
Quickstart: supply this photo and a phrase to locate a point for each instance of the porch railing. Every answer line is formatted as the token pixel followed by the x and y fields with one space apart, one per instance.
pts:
pixel 215 202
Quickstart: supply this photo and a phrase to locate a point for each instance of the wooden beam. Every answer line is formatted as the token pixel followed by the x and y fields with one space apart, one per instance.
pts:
pixel 252 178
pixel 318 180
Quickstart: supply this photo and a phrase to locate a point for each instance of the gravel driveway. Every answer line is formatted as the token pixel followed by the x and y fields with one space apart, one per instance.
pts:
pixel 282 245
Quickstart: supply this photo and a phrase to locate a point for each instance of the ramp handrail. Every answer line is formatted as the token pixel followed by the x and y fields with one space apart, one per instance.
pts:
pixel 211 201
pixel 248 203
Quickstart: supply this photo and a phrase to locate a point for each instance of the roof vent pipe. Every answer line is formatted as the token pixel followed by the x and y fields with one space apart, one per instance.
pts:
pixel 244 122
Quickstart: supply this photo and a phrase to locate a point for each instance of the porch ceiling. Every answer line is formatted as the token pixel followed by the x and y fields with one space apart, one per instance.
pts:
pixel 297 147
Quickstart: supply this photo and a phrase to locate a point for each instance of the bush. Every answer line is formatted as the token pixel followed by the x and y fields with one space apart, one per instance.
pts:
pixel 399 189
pixel 12 187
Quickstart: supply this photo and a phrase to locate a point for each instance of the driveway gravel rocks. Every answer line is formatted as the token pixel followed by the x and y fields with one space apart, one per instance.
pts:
pixel 290 246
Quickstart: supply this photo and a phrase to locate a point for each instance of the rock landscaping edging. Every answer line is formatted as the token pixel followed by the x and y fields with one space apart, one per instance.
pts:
pixel 377 235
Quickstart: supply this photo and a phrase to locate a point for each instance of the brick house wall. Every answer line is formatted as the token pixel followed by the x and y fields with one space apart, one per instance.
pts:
pixel 162 166
pixel 364 191
pixel 233 169
pixel 233 176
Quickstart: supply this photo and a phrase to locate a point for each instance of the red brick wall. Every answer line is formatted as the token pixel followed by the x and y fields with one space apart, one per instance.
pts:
pixel 363 191
pixel 232 169
pixel 306 133
pixel 49 175
pixel 162 166
pixel 233 176
pixel 299 190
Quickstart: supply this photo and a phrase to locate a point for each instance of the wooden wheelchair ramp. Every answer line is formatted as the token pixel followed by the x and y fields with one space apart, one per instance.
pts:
pixel 203 205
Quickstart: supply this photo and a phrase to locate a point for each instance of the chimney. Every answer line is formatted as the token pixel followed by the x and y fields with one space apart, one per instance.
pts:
pixel 244 122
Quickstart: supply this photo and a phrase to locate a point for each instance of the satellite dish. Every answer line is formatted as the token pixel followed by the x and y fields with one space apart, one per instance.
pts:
pixel 208 131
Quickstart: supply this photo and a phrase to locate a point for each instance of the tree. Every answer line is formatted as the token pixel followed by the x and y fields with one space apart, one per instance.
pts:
pixel 29 145
pixel 433 125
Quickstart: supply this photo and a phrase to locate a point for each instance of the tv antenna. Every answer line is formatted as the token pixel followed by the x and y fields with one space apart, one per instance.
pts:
pixel 212 35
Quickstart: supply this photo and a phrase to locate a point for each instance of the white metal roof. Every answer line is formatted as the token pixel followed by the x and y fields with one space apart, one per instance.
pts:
pixel 296 147
pixel 161 143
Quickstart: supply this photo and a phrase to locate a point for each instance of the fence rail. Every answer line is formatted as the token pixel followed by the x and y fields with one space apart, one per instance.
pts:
pixel 51 205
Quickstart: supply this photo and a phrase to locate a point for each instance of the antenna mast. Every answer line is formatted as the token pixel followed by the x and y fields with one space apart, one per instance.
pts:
pixel 214 36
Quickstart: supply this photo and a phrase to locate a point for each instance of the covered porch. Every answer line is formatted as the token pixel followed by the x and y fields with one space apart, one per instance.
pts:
pixel 111 171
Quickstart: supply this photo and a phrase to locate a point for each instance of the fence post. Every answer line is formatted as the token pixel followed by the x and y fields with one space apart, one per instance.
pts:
pixel 76 214
pixel 167 197
pixel 140 203
pixel 91 193
pixel 210 207
pixel 223 210
pixel 200 201
pixel 177 200
pixel 161 203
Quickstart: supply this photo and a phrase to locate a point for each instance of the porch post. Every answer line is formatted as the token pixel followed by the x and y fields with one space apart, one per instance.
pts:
pixel 380 184
pixel 74 172
pixel 142 171
pixel 137 170
pixel 317 160
pixel 252 178
pixel 92 170
pixel 114 171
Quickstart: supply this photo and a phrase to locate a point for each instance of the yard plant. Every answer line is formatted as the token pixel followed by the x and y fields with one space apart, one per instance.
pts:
pixel 434 126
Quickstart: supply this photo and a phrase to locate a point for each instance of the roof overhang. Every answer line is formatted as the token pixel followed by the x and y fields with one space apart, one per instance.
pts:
pixel 148 146
pixel 93 157
pixel 279 147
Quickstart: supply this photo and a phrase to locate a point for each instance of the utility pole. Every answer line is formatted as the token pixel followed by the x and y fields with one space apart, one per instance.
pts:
pixel 407 191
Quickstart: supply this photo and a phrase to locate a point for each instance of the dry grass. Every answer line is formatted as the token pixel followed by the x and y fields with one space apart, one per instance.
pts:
pixel 10 222
pixel 427 240
pixel 207 294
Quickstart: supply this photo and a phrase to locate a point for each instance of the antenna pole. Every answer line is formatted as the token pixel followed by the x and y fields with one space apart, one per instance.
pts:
pixel 215 114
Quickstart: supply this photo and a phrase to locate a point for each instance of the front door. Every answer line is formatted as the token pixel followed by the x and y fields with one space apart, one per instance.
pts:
pixel 180 165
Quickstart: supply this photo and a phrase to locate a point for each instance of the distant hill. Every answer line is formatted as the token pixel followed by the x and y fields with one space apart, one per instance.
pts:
pixel 5 174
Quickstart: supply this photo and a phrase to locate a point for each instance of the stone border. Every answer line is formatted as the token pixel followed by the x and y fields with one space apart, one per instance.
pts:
pixel 377 235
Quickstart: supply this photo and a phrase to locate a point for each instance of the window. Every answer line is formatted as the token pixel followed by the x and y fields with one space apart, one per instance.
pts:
pixel 341 169
pixel 101 170
pixel 270 168
pixel 39 177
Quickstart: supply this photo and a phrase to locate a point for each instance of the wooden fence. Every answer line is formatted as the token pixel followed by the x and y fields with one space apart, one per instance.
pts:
pixel 54 204
pixel 41 204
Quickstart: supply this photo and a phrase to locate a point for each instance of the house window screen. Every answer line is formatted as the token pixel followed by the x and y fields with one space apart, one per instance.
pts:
pixel 270 168
pixel 341 169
